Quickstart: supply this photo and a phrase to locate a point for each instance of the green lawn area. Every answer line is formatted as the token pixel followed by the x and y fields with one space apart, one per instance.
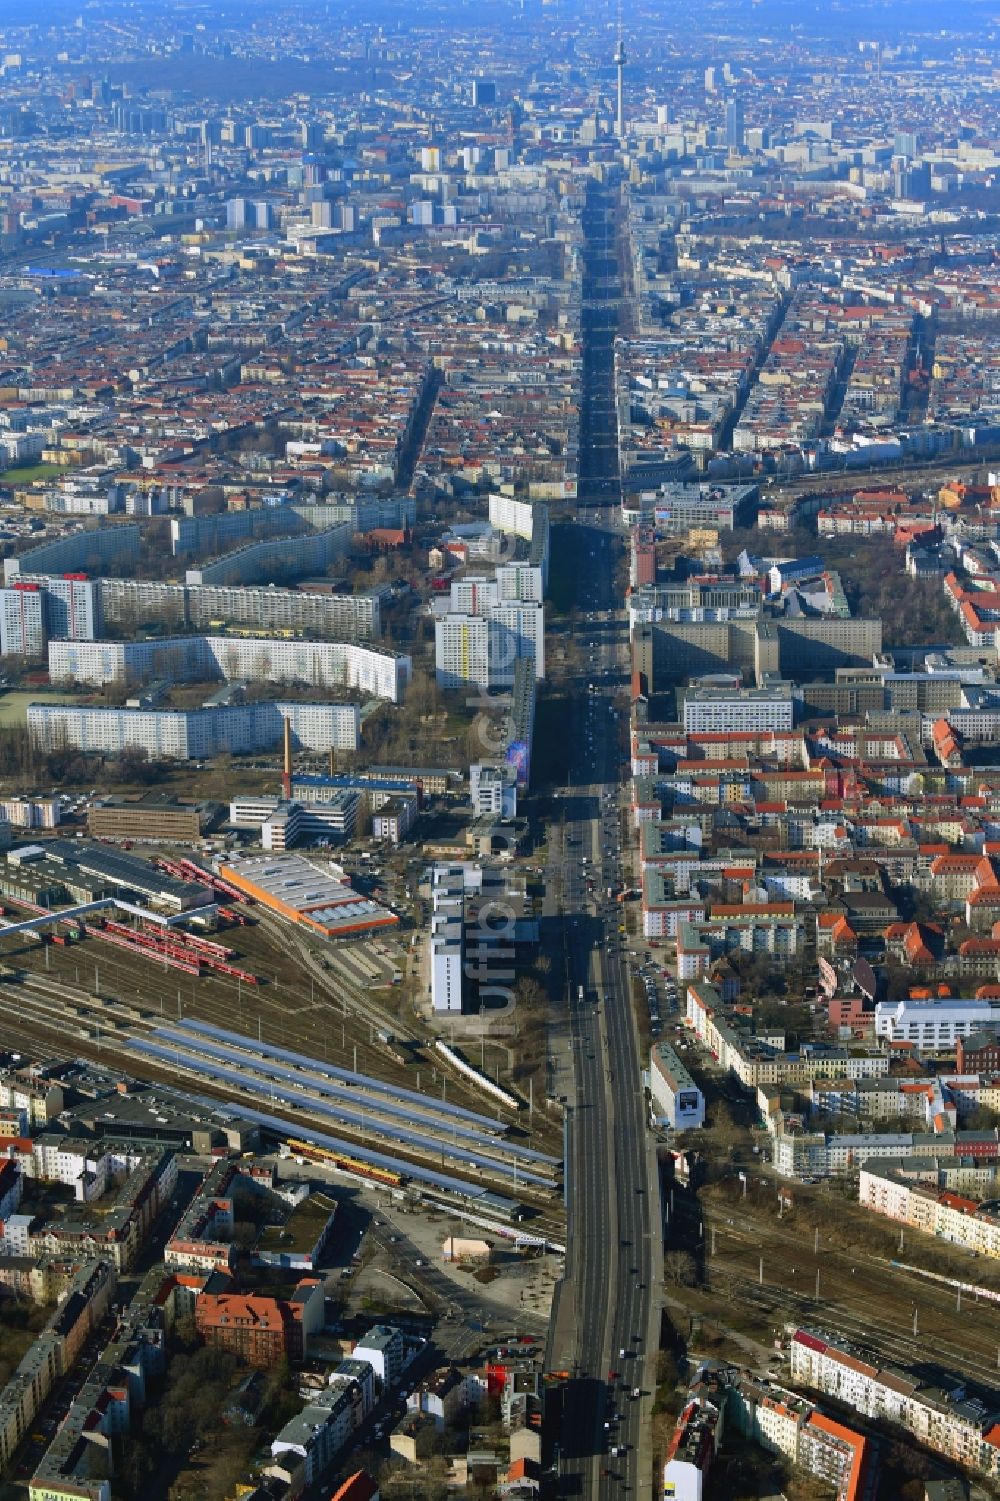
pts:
pixel 14 705
pixel 28 472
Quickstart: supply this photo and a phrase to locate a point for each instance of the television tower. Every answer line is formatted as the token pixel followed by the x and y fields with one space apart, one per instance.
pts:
pixel 620 60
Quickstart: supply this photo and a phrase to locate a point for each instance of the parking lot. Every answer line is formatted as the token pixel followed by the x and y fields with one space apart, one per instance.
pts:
pixel 660 988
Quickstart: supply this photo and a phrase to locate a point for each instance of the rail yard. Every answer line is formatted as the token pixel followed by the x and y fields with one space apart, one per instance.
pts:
pixel 320 1062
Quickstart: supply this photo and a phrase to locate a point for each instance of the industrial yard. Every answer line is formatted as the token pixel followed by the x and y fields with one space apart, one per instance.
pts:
pixel 369 1093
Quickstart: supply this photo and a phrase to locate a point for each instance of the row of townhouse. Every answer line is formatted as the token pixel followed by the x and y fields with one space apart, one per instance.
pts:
pixel 978 611
pixel 942 1418
pixel 904 837
pixel 80 1461
pixel 262 1330
pixel 897 1097
pixel 512 422
pixel 88 1165
pixel 201 1239
pixel 361 416
pixel 791 398
pixel 774 929
pixel 118 1233
pixel 311 1440
pixel 663 914
pixel 32 1091
pixel 737 780
pixel 785 1422
pixel 871 513
pixel 679 388
pixel 964 384
pixel 800 1153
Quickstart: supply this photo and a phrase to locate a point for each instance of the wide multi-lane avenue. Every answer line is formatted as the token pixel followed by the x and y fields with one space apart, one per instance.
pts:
pixel 606 1321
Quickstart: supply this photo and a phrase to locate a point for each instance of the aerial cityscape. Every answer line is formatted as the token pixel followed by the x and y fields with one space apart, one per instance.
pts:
pixel 499 751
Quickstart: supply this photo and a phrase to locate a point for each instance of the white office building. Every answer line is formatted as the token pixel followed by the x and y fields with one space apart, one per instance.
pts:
pixel 934 1026
pixel 447 950
pixel 679 1102
pixel 394 819
pixel 283 824
pixel 493 790
pixel 737 711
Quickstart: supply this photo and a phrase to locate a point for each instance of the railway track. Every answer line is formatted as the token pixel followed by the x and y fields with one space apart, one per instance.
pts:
pixel 54 1015
pixel 322 1010
pixel 872 1302
pixel 316 1004
pixel 263 1086
pixel 346 994
pixel 887 1342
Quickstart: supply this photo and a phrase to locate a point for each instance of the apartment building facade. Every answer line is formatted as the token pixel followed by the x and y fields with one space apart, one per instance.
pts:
pixel 940 1418
pixel 196 734
pixel 320 664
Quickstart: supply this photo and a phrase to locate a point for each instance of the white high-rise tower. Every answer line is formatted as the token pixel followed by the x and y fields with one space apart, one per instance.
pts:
pixel 620 60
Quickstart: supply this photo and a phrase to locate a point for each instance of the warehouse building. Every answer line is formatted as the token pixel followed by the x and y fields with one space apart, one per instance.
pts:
pixel 311 893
